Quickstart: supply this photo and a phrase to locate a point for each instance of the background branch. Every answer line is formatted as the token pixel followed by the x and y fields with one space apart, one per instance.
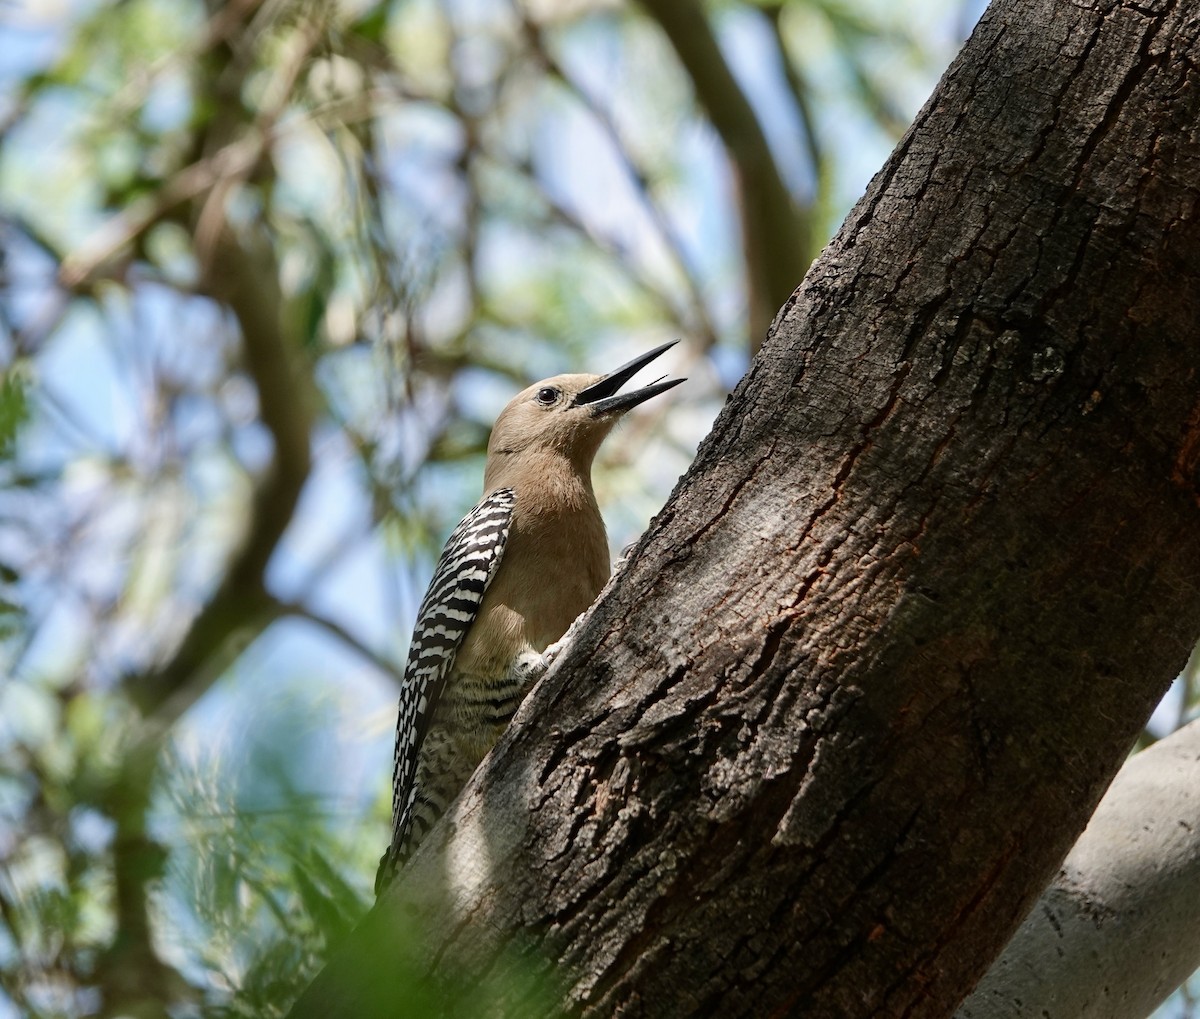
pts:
pixel 1116 932
pixel 777 231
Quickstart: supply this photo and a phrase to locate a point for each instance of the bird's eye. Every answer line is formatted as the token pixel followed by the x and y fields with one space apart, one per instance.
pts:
pixel 547 395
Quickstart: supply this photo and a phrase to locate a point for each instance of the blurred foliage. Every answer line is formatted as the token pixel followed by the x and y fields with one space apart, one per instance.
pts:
pixel 449 199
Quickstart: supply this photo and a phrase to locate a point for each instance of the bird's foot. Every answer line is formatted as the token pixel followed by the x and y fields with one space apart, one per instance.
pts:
pixel 622 560
pixel 555 650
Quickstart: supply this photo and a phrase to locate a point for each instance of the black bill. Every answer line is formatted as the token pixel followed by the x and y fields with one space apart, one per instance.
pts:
pixel 602 397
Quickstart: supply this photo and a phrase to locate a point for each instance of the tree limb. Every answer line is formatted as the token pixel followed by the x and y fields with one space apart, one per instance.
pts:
pixel 389 668
pixel 1117 931
pixel 777 231
pixel 235 613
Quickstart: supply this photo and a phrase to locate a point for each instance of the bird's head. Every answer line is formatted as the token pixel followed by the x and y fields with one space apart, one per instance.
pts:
pixel 569 415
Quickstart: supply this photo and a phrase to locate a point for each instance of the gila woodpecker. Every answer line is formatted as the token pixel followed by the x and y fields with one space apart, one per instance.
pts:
pixel 514 575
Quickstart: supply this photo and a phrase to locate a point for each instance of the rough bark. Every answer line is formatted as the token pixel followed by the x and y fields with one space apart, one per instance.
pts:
pixel 1118 929
pixel 829 735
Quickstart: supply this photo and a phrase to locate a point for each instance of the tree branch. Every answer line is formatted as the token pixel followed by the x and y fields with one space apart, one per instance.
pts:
pixel 248 282
pixel 1115 933
pixel 235 613
pixel 777 233
pixel 389 668
pixel 702 326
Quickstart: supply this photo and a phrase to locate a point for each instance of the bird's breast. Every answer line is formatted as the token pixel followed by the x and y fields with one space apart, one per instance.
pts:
pixel 555 563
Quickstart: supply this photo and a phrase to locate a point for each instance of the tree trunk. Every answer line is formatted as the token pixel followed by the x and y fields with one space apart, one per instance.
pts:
pixel 826 739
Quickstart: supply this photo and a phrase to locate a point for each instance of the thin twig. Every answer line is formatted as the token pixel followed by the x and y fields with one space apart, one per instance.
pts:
pixel 777 231
pixel 799 92
pixel 300 611
pixel 231 160
pixel 672 242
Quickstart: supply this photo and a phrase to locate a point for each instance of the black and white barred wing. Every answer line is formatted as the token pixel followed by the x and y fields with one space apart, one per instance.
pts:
pixel 468 563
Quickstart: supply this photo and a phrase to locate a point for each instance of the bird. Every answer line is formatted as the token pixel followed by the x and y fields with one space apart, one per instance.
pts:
pixel 516 572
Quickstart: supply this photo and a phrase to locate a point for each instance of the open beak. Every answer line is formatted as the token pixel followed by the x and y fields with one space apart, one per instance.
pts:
pixel 601 397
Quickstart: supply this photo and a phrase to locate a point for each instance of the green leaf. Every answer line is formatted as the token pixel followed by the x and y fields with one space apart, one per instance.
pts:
pixel 14 409
pixel 372 24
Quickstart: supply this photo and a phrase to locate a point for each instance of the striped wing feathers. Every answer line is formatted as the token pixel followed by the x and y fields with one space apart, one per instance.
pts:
pixel 468 563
